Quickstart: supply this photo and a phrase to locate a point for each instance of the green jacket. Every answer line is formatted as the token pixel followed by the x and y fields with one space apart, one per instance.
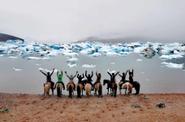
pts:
pixel 60 76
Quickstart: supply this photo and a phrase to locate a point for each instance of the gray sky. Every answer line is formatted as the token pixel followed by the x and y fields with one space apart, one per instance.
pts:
pixel 71 20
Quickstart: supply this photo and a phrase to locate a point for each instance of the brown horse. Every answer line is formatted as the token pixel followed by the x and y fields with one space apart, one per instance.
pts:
pixel 71 87
pixel 98 85
pixel 47 87
pixel 59 86
pixel 80 88
pixel 88 89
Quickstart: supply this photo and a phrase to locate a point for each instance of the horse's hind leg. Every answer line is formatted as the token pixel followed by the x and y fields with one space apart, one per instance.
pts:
pixel 52 91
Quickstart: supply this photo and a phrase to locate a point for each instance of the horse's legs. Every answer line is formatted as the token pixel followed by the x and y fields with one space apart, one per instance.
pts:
pixel 107 91
pixel 52 91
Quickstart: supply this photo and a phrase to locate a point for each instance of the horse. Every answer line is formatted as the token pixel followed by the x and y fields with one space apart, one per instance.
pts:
pixel 135 85
pixel 114 89
pixel 105 81
pixel 80 88
pixel 111 86
pixel 70 88
pixel 88 89
pixel 98 87
pixel 59 87
pixel 128 88
pixel 47 87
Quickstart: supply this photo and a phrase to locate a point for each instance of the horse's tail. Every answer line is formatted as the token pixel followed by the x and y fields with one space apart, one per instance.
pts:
pixel 78 91
pixel 58 91
pixel 115 90
pixel 70 91
pixel 100 90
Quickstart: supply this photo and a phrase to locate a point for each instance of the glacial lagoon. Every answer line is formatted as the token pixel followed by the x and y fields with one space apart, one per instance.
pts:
pixel 21 75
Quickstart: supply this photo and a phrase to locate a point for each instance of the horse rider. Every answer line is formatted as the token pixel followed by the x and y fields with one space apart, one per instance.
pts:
pixel 60 78
pixel 48 77
pixel 89 78
pixel 71 78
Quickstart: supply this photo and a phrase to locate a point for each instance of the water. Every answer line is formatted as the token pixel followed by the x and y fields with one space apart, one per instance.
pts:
pixel 152 75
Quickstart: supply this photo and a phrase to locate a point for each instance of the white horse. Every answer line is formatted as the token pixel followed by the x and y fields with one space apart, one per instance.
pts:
pixel 128 88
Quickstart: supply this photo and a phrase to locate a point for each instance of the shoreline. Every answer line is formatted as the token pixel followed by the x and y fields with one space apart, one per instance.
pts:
pixel 34 107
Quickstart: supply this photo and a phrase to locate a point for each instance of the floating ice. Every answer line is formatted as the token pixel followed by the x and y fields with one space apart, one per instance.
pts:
pixel 88 66
pixel 37 58
pixel 17 69
pixel 73 59
pixel 12 57
pixel 173 65
pixel 139 60
pixel 71 65
pixel 111 71
pixel 172 56
pixel 112 63
pixel 41 51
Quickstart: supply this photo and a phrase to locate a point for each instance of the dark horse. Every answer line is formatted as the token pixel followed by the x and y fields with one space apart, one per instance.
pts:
pixel 135 84
pixel 111 86
pixel 80 85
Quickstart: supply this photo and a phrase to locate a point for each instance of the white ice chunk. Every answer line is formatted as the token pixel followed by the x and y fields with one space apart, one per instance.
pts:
pixel 173 65
pixel 17 69
pixel 178 55
pixel 71 65
pixel 37 58
pixel 88 66
pixel 139 60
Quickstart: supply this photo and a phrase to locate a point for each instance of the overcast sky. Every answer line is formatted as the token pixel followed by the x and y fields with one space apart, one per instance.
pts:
pixel 71 20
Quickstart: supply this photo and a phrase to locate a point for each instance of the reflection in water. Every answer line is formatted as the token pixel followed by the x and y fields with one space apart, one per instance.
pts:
pixel 152 75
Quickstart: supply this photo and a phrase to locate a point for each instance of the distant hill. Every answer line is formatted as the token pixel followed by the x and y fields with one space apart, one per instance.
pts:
pixel 5 37
pixel 126 39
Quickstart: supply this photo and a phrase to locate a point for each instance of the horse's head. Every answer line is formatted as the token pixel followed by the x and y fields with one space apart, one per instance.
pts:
pixel 105 81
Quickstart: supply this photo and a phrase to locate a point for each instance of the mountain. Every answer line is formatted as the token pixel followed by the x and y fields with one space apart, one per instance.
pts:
pixel 5 37
pixel 125 39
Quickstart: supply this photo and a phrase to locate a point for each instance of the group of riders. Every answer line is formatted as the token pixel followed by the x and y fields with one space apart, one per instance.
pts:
pixel 84 84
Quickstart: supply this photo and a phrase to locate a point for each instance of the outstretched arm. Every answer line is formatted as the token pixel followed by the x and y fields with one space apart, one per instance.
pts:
pixel 109 73
pixel 126 73
pixel 117 73
pixel 120 75
pixel 57 73
pixel 78 75
pixel 96 74
pixel 52 72
pixel 75 75
pixel 43 73
pixel 91 74
pixel 133 72
pixel 67 74
pixel 86 73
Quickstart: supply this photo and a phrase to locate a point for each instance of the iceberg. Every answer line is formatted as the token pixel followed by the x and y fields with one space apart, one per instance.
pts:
pixel 17 69
pixel 139 60
pixel 71 65
pixel 88 66
pixel 173 65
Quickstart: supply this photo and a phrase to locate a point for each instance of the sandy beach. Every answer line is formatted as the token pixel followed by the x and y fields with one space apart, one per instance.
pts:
pixel 26 107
